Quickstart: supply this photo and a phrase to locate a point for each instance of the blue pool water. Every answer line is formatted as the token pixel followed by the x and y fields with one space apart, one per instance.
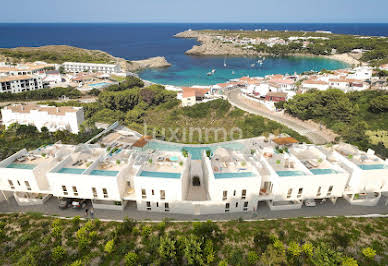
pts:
pixel 104 172
pixel 76 171
pixel 372 166
pixel 232 175
pixel 174 158
pixel 21 166
pixel 290 173
pixel 323 171
pixel 160 174
pixel 99 85
pixel 195 152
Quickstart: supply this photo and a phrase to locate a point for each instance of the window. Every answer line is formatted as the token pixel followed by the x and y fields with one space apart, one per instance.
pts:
pixel 105 192
pixel 11 184
pixel 234 193
pixel 244 194
pixel 166 206
pixel 289 193
pixel 162 195
pixel 129 183
pixel 224 195
pixel 152 192
pixel 300 191
pixel 18 182
pixel 64 190
pixel 94 190
pixel 227 206
pixel 319 191
pixel 148 205
pixel 157 204
pixel 329 191
pixel 75 191
pixel 245 206
pixel 143 194
pixel 236 204
pixel 27 185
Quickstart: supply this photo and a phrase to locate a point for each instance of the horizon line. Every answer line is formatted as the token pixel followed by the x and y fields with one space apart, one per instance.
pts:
pixel 172 22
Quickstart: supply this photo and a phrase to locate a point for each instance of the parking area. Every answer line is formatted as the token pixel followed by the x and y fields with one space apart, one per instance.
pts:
pixel 341 208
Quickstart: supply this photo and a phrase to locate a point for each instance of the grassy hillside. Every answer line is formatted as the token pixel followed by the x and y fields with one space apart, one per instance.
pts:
pixel 54 54
pixel 360 118
pixel 36 240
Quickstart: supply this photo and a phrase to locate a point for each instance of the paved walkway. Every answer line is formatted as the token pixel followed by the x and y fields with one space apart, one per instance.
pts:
pixel 312 133
pixel 341 208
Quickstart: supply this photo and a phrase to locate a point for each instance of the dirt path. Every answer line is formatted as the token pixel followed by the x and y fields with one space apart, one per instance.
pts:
pixel 316 133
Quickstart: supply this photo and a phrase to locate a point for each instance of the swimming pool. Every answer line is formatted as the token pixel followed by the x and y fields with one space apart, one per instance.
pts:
pixel 174 158
pixel 99 85
pixel 76 171
pixel 196 152
pixel 372 166
pixel 160 174
pixel 290 173
pixel 104 172
pixel 323 171
pixel 233 175
pixel 21 166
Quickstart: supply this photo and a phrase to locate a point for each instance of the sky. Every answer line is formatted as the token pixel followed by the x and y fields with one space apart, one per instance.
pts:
pixel 325 11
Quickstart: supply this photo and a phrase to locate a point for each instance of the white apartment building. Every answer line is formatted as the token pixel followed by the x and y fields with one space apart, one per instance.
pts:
pixel 20 83
pixel 51 117
pixel 75 67
pixel 281 174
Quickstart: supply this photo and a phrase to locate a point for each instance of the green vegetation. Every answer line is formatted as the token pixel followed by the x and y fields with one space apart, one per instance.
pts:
pixel 377 47
pixel 18 137
pixel 42 94
pixel 360 118
pixel 32 239
pixel 54 54
pixel 135 105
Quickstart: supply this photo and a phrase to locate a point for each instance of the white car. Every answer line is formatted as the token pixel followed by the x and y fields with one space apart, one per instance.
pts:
pixel 310 203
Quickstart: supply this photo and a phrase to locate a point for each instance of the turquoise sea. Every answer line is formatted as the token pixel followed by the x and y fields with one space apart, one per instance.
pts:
pixel 134 41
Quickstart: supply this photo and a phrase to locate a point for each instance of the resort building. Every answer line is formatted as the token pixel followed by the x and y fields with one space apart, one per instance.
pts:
pixel 156 176
pixel 51 117
pixel 20 83
pixel 75 67
pixel 190 96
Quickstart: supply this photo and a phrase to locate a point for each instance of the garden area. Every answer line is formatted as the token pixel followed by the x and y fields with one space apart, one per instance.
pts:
pixel 33 239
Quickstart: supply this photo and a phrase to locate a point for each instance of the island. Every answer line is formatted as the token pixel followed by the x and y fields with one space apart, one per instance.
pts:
pixel 351 49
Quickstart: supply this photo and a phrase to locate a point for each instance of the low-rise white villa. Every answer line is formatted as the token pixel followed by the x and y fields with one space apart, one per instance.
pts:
pixel 52 117
pixel 76 67
pixel 219 178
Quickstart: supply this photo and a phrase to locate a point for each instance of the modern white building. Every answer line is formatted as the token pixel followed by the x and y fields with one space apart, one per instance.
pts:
pixel 75 67
pixel 51 117
pixel 20 83
pixel 206 180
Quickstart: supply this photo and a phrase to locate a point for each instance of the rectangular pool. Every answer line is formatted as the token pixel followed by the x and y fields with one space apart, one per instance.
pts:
pixel 160 174
pixel 99 85
pixel 104 172
pixel 21 166
pixel 372 166
pixel 323 171
pixel 233 175
pixel 75 171
pixel 290 173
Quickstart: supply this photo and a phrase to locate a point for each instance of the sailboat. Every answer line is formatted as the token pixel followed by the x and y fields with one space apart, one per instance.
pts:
pixel 225 61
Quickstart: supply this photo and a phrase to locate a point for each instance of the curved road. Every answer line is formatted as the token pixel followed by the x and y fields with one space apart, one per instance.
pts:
pixel 315 136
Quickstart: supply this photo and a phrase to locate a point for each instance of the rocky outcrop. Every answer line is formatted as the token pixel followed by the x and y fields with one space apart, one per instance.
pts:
pixel 153 62
pixel 210 46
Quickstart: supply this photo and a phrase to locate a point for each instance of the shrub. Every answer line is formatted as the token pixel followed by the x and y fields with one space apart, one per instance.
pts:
pixel 77 263
pixel 146 230
pixel 252 257
pixel 131 259
pixel 57 254
pixel 369 253
pixel 109 246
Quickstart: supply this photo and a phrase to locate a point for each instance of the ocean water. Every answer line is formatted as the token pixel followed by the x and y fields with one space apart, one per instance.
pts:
pixel 138 41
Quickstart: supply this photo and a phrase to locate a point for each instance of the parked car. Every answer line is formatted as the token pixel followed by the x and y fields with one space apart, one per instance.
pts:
pixel 79 203
pixel 64 203
pixel 310 203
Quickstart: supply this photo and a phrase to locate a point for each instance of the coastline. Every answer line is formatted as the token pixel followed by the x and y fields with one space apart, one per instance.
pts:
pixel 210 47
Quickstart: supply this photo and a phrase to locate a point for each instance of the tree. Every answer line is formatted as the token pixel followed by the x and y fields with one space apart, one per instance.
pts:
pixel 379 104
pixel 192 250
pixel 131 259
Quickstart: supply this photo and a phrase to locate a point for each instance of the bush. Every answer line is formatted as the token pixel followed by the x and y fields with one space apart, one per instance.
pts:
pixel 252 258
pixel 369 253
pixel 58 254
pixel 109 246
pixel 131 259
